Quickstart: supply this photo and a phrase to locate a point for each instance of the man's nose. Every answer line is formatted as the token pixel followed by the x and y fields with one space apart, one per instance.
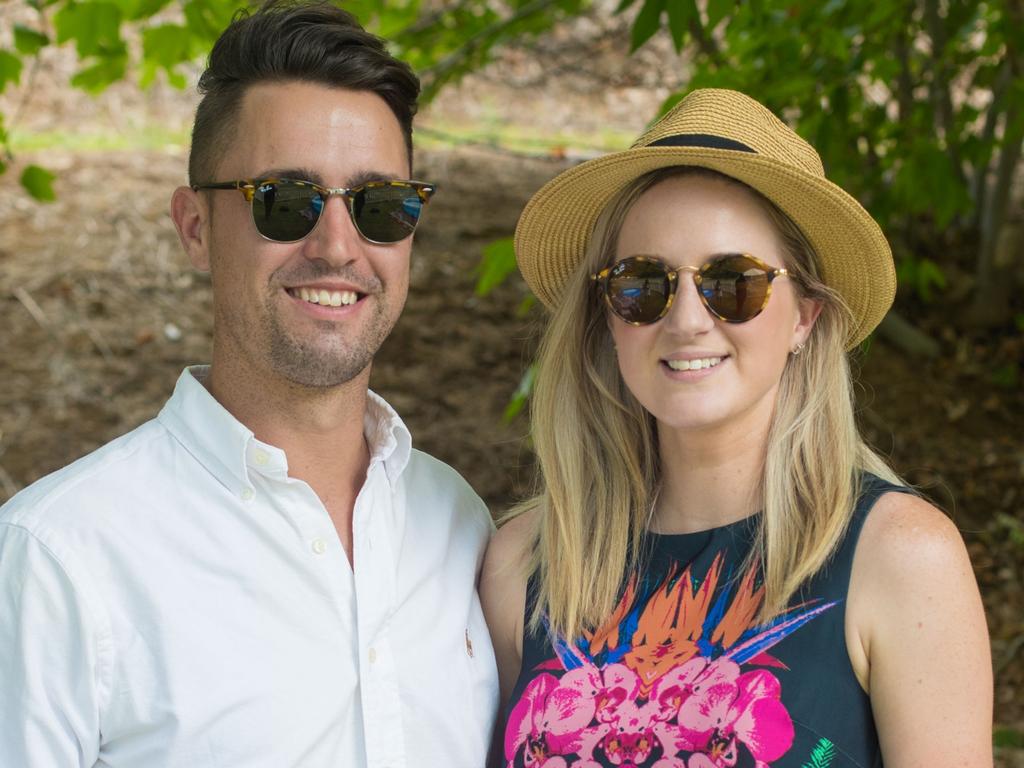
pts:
pixel 335 237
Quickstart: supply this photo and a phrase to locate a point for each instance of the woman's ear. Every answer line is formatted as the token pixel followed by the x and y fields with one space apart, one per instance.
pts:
pixel 808 311
pixel 191 216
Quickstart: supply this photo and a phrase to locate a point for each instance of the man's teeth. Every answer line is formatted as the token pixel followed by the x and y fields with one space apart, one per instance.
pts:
pixel 327 298
pixel 693 365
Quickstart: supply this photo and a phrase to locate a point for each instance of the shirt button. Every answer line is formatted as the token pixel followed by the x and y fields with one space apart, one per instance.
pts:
pixel 248 494
pixel 319 546
pixel 261 457
pixel 373 655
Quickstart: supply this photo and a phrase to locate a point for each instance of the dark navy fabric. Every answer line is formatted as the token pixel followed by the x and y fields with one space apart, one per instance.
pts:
pixel 683 676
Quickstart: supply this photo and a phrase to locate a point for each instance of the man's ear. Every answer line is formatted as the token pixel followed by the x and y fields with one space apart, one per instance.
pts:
pixel 191 216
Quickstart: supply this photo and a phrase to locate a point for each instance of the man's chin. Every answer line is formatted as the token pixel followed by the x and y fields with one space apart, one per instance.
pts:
pixel 320 375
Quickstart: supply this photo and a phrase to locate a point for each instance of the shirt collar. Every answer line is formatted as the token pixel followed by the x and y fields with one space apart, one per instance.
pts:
pixel 387 436
pixel 229 450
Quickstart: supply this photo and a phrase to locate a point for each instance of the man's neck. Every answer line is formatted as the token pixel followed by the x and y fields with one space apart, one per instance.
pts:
pixel 319 430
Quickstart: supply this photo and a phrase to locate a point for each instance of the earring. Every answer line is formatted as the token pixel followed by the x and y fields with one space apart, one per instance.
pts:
pixel 798 348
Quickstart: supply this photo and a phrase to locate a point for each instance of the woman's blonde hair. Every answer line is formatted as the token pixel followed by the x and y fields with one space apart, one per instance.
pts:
pixel 597 447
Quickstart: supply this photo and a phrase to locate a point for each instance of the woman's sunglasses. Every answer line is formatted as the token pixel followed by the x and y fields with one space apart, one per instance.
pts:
pixel 287 210
pixel 734 287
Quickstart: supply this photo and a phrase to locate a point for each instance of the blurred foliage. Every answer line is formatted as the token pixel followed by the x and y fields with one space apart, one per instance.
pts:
pixel 1008 737
pixel 498 262
pixel 916 106
pixel 39 182
pixel 442 41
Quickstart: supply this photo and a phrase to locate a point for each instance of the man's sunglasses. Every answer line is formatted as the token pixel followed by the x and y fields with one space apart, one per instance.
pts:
pixel 287 210
pixel 734 287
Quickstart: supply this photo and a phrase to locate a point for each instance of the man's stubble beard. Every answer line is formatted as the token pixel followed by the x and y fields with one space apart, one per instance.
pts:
pixel 321 367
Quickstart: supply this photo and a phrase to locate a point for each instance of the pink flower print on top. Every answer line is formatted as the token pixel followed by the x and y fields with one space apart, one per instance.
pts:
pixel 618 684
pixel 693 685
pixel 548 720
pixel 747 712
pixel 632 739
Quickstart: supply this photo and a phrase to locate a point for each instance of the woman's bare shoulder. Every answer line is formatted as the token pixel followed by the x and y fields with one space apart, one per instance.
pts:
pixel 509 550
pixel 905 535
pixel 919 618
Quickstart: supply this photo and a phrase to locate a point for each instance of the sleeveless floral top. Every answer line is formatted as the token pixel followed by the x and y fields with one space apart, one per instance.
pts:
pixel 683 676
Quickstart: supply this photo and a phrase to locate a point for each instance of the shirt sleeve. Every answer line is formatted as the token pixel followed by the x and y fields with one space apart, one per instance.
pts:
pixel 49 708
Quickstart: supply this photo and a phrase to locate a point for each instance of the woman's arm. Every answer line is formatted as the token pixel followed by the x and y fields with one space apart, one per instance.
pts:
pixel 503 597
pixel 921 638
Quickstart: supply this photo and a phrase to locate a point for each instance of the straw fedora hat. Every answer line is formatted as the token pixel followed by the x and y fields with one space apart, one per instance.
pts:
pixel 731 133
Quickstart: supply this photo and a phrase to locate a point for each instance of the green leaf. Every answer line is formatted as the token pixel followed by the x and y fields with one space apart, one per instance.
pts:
pixel 679 21
pixel 498 262
pixel 648 21
pixel 28 41
pixel 208 19
pixel 10 69
pixel 101 74
pixel 140 9
pixel 718 10
pixel 623 5
pixel 929 275
pixel 4 151
pixel 922 274
pixel 38 182
pixel 824 752
pixel 522 394
pixel 529 301
pixel 1006 376
pixel 167 45
pixel 94 26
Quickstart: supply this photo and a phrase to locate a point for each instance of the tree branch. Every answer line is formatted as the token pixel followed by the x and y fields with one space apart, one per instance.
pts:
pixel 705 42
pixel 443 69
pixel 988 134
pixel 905 86
pixel 939 87
pixel 429 20
pixel 915 342
pixel 991 295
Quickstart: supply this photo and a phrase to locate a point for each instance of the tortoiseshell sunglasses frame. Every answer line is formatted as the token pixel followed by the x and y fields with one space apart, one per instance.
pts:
pixel 248 187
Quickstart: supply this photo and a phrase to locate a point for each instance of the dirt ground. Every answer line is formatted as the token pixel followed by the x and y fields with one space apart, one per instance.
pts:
pixel 99 312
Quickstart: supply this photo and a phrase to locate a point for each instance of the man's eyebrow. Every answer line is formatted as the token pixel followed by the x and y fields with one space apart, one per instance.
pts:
pixel 300 174
pixel 364 176
pixel 308 174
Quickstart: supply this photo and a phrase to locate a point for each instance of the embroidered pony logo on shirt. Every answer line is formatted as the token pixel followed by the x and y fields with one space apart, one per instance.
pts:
pixel 676 678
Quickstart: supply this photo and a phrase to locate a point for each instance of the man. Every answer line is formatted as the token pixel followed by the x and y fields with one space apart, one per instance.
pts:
pixel 267 574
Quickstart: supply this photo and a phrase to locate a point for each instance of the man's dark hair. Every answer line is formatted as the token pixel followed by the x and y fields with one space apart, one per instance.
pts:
pixel 286 40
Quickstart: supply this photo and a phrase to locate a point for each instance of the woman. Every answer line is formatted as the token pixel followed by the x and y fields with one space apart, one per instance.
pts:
pixel 717 571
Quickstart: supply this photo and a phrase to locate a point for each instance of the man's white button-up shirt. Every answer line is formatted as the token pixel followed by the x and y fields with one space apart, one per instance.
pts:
pixel 176 599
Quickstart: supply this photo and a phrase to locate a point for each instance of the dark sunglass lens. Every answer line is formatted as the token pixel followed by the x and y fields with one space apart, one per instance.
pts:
pixel 638 290
pixel 286 211
pixel 386 213
pixel 735 287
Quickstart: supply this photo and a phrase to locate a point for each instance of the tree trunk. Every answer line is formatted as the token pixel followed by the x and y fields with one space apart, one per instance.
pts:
pixel 991 305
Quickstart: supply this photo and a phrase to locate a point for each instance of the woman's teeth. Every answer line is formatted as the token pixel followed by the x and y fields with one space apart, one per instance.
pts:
pixel 326 298
pixel 693 365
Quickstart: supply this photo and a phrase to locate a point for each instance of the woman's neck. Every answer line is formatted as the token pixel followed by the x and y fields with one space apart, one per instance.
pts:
pixel 708 479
